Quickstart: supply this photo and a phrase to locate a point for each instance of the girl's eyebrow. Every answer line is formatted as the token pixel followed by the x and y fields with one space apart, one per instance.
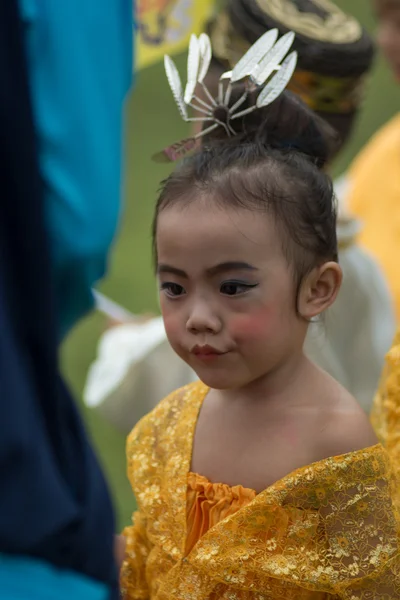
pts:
pixel 231 266
pixel 222 267
pixel 163 268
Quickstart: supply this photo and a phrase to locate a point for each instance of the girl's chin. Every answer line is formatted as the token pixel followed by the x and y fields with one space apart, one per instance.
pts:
pixel 220 380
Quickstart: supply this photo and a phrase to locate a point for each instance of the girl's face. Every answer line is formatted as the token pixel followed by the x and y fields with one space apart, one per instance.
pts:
pixel 388 13
pixel 227 293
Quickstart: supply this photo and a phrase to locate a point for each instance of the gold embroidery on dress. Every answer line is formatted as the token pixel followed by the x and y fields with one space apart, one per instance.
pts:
pixel 327 531
pixel 385 414
pixel 336 27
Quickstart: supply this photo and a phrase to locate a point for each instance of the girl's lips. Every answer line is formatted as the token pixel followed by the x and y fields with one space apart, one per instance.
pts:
pixel 206 352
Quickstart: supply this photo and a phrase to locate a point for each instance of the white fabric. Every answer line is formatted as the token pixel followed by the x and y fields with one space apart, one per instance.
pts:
pixel 356 332
pixel 342 191
pixel 134 370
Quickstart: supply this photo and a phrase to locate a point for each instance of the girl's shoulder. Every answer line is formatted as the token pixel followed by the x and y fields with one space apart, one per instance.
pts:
pixel 345 426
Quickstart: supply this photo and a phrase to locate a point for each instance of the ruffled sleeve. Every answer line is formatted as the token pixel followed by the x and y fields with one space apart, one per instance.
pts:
pixel 133 573
pixel 362 529
pixel 133 580
pixel 157 456
pixel 330 528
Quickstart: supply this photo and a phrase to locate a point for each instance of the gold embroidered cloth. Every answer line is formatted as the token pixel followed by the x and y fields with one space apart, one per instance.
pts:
pixel 327 530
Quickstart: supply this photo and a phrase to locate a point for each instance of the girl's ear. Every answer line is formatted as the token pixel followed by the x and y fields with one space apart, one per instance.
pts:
pixel 319 290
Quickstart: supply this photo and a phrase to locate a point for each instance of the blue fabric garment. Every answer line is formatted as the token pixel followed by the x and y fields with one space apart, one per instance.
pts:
pixel 80 67
pixel 54 502
pixel 22 578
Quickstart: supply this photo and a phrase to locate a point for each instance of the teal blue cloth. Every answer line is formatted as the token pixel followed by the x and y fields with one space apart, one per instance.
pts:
pixel 22 578
pixel 80 66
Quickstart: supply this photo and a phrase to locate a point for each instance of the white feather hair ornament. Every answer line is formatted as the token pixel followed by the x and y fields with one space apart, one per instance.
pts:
pixel 267 67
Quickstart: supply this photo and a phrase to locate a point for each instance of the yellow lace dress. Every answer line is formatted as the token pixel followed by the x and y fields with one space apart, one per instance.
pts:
pixel 327 530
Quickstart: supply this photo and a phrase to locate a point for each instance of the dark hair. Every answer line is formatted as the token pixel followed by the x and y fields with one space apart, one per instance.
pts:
pixel 275 165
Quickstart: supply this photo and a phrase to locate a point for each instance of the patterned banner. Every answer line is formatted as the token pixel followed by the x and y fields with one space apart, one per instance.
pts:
pixel 164 27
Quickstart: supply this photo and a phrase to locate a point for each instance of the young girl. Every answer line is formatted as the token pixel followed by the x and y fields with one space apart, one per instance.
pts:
pixel 135 365
pixel 263 480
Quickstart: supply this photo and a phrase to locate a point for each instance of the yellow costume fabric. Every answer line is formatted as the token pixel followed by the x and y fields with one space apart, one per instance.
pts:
pixel 209 503
pixel 385 413
pixel 328 530
pixel 374 197
pixel 164 27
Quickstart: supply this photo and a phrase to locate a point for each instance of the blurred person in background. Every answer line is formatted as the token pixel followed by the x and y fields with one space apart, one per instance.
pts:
pixel 374 177
pixel 135 366
pixel 61 113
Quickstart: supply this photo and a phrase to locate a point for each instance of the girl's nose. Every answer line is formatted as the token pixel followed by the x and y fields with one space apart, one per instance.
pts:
pixel 203 319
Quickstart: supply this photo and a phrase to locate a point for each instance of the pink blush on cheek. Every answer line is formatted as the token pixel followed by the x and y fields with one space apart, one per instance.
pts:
pixel 254 325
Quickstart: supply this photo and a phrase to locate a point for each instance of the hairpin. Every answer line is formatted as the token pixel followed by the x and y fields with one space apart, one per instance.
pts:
pixel 266 66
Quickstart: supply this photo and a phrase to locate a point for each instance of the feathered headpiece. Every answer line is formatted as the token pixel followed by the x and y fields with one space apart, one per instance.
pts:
pixel 266 67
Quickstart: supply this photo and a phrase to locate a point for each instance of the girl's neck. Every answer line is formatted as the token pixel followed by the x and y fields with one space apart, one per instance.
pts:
pixel 287 380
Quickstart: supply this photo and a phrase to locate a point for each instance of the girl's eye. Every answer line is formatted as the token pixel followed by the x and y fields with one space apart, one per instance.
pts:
pixel 236 288
pixel 172 289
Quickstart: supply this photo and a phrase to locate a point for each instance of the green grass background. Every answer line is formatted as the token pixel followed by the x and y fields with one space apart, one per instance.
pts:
pixel 152 123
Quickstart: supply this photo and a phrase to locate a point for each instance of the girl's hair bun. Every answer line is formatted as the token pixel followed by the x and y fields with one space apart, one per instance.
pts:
pixel 285 124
